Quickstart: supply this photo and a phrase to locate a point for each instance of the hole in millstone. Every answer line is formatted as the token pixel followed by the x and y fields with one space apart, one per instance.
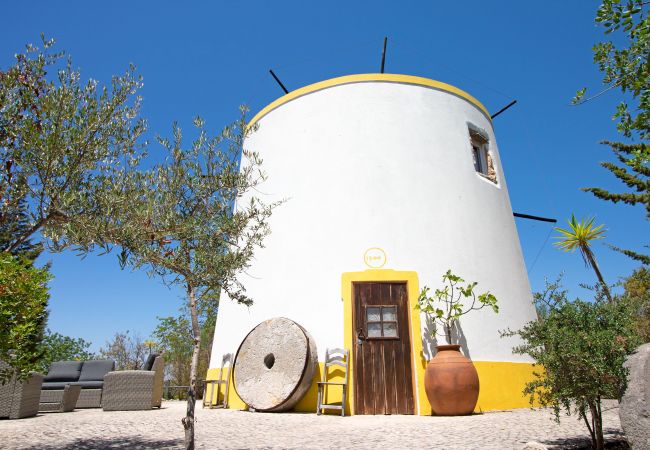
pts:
pixel 269 360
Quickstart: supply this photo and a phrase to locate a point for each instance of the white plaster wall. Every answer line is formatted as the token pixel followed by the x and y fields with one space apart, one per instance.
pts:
pixel 378 164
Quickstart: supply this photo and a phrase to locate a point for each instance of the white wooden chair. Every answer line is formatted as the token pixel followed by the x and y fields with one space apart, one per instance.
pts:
pixel 334 357
pixel 216 385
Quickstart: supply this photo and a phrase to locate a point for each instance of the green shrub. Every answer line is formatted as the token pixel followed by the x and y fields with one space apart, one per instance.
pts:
pixel 581 347
pixel 57 347
pixel 637 293
pixel 23 313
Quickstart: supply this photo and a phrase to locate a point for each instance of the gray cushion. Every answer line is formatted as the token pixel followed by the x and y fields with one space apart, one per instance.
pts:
pixel 95 370
pixel 150 360
pixel 63 371
pixel 55 384
pixel 89 384
pixel 60 385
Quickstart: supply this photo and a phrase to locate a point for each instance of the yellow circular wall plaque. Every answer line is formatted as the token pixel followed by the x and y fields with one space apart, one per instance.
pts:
pixel 375 258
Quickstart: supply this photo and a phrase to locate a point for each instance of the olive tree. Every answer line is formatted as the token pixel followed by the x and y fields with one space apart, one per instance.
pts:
pixel 180 223
pixel 62 143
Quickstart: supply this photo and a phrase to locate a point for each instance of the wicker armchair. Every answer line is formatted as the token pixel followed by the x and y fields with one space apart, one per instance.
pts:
pixel 129 390
pixel 20 399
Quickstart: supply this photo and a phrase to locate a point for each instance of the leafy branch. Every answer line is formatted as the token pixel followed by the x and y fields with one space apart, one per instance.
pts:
pixel 451 302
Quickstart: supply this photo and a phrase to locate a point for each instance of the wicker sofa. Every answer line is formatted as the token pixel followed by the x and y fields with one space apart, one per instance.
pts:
pixel 19 399
pixel 128 390
pixel 87 374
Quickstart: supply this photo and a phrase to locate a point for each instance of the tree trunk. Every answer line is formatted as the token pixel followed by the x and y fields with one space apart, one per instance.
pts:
pixel 589 427
pixel 594 265
pixel 597 421
pixel 188 420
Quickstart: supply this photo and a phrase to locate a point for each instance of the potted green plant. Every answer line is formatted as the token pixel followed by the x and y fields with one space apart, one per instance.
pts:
pixel 451 381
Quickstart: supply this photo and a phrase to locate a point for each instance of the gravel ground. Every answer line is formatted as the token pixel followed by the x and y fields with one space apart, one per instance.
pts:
pixel 96 429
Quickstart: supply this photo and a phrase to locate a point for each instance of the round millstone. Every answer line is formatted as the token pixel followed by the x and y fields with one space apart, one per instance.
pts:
pixel 275 365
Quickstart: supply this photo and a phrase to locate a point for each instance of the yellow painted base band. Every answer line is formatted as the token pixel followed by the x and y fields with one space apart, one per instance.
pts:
pixel 306 404
pixel 502 384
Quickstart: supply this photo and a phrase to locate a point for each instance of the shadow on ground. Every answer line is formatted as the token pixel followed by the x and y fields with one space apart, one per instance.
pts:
pixel 614 440
pixel 114 443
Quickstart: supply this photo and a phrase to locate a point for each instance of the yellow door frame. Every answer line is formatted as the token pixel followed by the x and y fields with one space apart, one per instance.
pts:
pixel 418 360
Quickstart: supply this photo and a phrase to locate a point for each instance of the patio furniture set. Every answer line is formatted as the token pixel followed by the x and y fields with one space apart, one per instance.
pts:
pixel 84 384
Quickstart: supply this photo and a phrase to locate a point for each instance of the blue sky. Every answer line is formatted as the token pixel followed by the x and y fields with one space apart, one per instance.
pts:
pixel 207 58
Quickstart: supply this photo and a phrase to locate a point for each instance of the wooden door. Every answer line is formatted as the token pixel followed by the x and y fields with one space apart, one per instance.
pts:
pixel 382 349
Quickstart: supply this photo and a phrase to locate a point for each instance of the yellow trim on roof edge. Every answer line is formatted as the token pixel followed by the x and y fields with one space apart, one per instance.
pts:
pixel 369 77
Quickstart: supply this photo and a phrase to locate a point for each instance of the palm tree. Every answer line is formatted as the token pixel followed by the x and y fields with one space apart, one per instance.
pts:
pixel 579 236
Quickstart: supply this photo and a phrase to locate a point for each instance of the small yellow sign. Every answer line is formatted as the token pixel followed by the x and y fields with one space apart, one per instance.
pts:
pixel 375 258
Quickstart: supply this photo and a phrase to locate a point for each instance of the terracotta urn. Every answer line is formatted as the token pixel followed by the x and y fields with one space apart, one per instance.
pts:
pixel 451 382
